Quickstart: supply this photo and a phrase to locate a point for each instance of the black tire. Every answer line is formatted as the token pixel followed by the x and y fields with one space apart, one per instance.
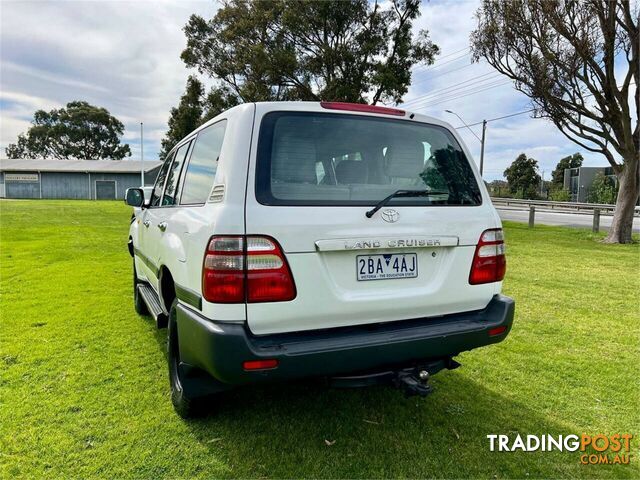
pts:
pixel 138 302
pixel 185 401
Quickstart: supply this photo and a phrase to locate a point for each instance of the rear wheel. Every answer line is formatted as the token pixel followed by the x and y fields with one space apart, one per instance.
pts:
pixel 138 302
pixel 188 394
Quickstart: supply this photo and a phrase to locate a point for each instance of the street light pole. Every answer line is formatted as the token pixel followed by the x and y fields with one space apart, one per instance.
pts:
pixel 141 155
pixel 481 140
pixel 484 130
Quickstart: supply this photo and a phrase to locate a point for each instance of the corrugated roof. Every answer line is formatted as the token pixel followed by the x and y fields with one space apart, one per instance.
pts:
pixel 49 165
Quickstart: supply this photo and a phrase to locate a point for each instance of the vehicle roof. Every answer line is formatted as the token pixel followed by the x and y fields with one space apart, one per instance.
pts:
pixel 317 107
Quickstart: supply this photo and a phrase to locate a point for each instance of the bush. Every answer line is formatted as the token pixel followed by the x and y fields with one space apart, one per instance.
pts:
pixel 501 193
pixel 603 190
pixel 529 194
pixel 560 195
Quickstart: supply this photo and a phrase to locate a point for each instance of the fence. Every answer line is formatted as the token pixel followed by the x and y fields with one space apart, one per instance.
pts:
pixel 594 209
pixel 549 205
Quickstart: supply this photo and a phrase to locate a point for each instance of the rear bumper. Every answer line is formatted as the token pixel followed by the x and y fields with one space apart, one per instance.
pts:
pixel 221 348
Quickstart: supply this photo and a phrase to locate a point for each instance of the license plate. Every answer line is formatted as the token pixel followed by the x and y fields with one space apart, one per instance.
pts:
pixel 386 266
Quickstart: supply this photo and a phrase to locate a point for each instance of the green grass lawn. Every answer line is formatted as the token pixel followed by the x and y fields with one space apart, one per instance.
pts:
pixel 84 389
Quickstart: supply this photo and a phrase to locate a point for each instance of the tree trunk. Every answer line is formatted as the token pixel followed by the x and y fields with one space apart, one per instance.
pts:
pixel 629 181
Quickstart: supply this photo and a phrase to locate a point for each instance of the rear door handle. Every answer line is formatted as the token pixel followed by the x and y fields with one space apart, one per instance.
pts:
pixel 162 226
pixel 146 223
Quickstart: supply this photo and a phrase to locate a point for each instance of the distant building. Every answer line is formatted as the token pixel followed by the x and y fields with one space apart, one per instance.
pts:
pixel 73 179
pixel 578 181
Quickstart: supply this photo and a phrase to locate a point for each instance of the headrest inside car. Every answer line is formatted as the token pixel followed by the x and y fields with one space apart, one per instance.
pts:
pixel 294 160
pixel 351 171
pixel 404 159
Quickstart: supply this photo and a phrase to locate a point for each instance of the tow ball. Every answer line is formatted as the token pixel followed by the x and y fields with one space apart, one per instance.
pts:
pixel 414 383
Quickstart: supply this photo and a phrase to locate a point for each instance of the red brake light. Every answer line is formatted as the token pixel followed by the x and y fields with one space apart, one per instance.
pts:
pixel 252 269
pixel 362 107
pixel 223 270
pixel 268 276
pixel 489 262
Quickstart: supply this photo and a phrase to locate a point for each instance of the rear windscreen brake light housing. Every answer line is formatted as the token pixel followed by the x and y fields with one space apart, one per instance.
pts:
pixel 489 261
pixel 362 107
pixel 253 269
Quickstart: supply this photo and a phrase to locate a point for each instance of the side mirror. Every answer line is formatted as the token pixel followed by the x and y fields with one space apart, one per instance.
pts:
pixel 134 197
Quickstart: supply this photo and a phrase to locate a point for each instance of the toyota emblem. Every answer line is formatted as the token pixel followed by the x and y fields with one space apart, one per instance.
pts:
pixel 390 215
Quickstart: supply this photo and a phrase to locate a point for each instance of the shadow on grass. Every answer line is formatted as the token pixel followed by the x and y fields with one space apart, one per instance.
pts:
pixel 305 429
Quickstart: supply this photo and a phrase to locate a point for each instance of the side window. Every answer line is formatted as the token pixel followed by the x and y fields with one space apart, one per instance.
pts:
pixel 159 186
pixel 170 191
pixel 201 170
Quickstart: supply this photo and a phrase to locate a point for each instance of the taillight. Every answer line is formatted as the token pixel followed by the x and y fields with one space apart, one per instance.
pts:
pixel 223 270
pixel 246 268
pixel 268 276
pixel 489 263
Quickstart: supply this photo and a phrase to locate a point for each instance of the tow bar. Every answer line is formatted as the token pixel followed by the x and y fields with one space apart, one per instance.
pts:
pixel 413 384
pixel 412 381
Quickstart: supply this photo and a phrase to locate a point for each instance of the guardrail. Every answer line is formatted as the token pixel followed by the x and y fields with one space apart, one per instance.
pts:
pixel 559 206
pixel 546 205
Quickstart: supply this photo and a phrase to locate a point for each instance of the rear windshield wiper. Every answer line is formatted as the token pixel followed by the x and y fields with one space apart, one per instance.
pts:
pixel 402 193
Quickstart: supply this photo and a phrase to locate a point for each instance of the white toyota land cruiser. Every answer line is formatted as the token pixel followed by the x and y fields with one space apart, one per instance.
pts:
pixel 287 240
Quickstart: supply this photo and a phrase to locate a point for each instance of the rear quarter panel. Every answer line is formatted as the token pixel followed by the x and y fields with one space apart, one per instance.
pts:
pixel 198 223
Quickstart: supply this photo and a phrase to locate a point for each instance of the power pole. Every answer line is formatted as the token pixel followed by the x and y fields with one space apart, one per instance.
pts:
pixel 484 129
pixel 141 154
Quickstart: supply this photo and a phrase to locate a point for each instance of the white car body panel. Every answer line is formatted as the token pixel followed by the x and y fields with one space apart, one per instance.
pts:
pixel 328 294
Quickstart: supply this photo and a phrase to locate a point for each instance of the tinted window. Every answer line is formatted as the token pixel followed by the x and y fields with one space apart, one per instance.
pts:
pixel 201 170
pixel 170 191
pixel 333 159
pixel 162 176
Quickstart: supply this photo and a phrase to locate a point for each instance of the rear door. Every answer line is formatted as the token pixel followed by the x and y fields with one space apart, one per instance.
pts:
pixel 313 177
pixel 162 232
pixel 148 235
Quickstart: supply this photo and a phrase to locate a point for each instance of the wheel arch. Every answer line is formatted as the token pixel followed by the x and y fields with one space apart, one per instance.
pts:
pixel 166 287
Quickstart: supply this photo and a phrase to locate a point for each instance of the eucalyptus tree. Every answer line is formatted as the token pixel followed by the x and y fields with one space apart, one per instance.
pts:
pixel 77 131
pixel 577 60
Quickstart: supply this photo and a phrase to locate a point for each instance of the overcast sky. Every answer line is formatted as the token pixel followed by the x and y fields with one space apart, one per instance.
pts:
pixel 125 56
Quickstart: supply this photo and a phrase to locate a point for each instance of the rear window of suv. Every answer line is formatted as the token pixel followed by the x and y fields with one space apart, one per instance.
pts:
pixel 338 159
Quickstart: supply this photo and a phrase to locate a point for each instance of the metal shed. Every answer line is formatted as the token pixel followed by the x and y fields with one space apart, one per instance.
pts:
pixel 72 179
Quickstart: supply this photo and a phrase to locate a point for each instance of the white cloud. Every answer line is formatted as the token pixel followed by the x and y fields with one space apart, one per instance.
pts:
pixel 125 56
pixel 122 55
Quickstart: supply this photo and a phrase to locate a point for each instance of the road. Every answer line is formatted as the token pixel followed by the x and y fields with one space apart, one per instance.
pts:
pixel 578 220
